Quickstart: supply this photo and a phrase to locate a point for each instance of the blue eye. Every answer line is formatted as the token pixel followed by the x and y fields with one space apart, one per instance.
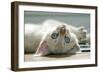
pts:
pixel 54 35
pixel 67 39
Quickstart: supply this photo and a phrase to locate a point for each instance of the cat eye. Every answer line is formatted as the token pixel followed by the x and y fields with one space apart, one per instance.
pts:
pixel 54 35
pixel 67 39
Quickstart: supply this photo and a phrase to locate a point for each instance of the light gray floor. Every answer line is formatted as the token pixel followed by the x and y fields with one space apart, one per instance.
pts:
pixel 83 55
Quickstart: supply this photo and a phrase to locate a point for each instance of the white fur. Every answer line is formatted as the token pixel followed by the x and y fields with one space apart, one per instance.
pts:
pixel 58 45
pixel 35 32
pixel 88 38
pixel 78 31
pixel 32 37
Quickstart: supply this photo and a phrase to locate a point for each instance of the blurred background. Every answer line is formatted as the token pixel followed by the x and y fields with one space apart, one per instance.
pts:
pixel 75 19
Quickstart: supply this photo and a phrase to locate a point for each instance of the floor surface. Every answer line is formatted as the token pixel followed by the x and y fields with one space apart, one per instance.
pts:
pixel 83 55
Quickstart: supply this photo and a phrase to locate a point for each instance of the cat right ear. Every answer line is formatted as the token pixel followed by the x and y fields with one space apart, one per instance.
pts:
pixel 42 49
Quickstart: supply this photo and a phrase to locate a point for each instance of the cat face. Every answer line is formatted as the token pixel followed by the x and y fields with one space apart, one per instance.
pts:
pixel 61 33
pixel 54 41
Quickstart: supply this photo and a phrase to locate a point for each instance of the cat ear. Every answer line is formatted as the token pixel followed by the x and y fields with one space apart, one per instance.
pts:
pixel 42 49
